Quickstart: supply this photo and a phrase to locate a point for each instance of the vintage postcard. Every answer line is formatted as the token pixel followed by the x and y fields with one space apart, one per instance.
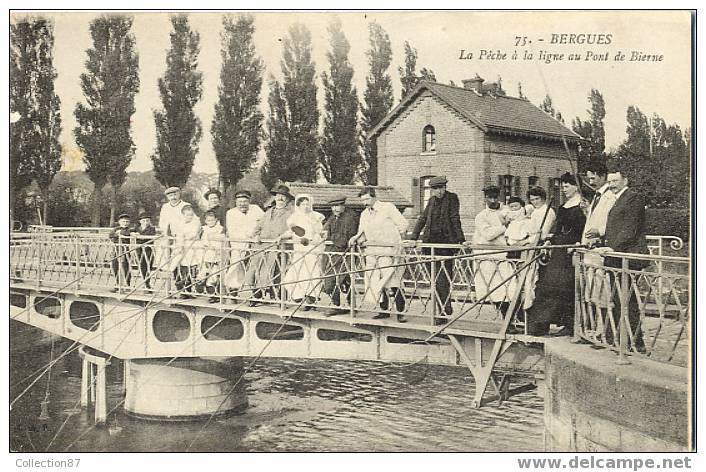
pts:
pixel 351 231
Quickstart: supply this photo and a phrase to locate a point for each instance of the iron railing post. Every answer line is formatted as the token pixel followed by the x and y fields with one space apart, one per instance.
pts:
pixel 221 273
pixel 39 250
pixel 578 298
pixel 77 273
pixel 281 256
pixel 624 299
pixel 352 289
pixel 434 292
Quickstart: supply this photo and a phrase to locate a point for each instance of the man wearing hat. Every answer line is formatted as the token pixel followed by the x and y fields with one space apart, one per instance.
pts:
pixel 145 234
pixel 265 269
pixel 170 215
pixel 241 222
pixel 213 199
pixel 441 223
pixel 170 222
pixel 339 228
pixel 120 235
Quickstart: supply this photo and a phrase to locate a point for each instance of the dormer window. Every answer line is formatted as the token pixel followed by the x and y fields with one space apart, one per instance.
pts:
pixel 429 139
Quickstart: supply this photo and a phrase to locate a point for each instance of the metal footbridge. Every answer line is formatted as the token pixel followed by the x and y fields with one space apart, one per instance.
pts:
pixel 130 300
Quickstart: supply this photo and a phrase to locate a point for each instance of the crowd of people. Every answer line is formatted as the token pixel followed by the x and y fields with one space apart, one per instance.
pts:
pixel 612 220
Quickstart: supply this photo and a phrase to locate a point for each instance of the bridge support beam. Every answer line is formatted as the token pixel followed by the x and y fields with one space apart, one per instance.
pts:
pixel 93 384
pixel 483 371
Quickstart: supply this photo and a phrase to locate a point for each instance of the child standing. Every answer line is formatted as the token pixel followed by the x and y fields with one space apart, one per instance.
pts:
pixel 211 240
pixel 188 234
pixel 120 235
pixel 146 233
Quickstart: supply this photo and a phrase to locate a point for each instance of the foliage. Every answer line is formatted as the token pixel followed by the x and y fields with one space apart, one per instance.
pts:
pixel 656 159
pixel 292 124
pixel 592 130
pixel 178 127
pixel 378 97
pixel 35 152
pixel 237 122
pixel 109 86
pixel 408 74
pixel 340 157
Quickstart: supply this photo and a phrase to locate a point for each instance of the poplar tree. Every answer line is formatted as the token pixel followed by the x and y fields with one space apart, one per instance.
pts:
pixel 109 86
pixel 237 124
pixel 178 127
pixel 408 74
pixel 340 158
pixel 592 130
pixel 292 144
pixel 35 152
pixel 378 97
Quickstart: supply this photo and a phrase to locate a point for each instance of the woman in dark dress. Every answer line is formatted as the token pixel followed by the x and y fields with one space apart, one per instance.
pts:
pixel 554 302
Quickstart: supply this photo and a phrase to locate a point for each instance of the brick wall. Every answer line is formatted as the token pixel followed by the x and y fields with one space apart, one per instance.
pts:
pixel 464 153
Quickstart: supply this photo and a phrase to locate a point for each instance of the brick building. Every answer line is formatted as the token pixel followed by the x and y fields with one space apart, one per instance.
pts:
pixel 475 135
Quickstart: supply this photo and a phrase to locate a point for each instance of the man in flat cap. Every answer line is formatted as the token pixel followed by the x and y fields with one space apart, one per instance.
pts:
pixel 213 199
pixel 241 222
pixel 441 223
pixel 145 234
pixel 120 236
pixel 265 270
pixel 339 228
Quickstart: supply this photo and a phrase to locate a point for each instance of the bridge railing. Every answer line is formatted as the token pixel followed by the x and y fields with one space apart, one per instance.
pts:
pixel 427 280
pixel 635 304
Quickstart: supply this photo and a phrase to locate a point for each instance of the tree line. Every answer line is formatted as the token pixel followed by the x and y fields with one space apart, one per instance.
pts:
pixel 296 147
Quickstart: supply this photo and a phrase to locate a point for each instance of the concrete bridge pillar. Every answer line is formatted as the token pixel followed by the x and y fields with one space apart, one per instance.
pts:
pixel 185 388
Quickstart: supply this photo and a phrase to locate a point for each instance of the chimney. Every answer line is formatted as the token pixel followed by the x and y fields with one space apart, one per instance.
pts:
pixel 476 83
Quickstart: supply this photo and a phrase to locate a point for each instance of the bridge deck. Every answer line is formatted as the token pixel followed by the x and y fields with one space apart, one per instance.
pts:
pixel 470 324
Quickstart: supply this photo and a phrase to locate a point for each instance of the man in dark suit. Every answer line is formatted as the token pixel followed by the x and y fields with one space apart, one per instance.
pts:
pixel 441 224
pixel 625 232
pixel 339 228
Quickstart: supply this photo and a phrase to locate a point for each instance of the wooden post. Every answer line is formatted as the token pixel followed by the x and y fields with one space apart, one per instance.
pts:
pixel 85 380
pixel 101 395
pixel 92 382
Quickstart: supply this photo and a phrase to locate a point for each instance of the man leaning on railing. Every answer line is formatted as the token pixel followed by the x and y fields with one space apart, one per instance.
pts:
pixel 625 232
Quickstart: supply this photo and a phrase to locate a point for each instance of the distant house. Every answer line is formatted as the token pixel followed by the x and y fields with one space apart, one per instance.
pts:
pixel 476 136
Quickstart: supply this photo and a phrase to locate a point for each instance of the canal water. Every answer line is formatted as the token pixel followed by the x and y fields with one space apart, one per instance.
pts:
pixel 294 405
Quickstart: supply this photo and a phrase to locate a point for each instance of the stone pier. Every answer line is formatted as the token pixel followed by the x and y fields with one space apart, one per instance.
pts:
pixel 591 404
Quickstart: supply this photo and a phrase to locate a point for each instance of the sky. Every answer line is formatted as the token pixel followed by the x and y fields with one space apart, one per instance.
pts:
pixel 655 87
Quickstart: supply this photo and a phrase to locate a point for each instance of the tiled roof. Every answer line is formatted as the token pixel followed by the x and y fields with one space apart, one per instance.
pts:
pixel 492 113
pixel 323 193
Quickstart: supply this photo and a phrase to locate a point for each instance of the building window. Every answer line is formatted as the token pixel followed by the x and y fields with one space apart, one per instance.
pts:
pixel 424 192
pixel 429 139
pixel 532 181
pixel 505 185
pixel 554 192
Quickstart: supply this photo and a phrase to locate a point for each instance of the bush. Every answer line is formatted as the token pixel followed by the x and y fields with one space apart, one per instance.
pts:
pixel 669 222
